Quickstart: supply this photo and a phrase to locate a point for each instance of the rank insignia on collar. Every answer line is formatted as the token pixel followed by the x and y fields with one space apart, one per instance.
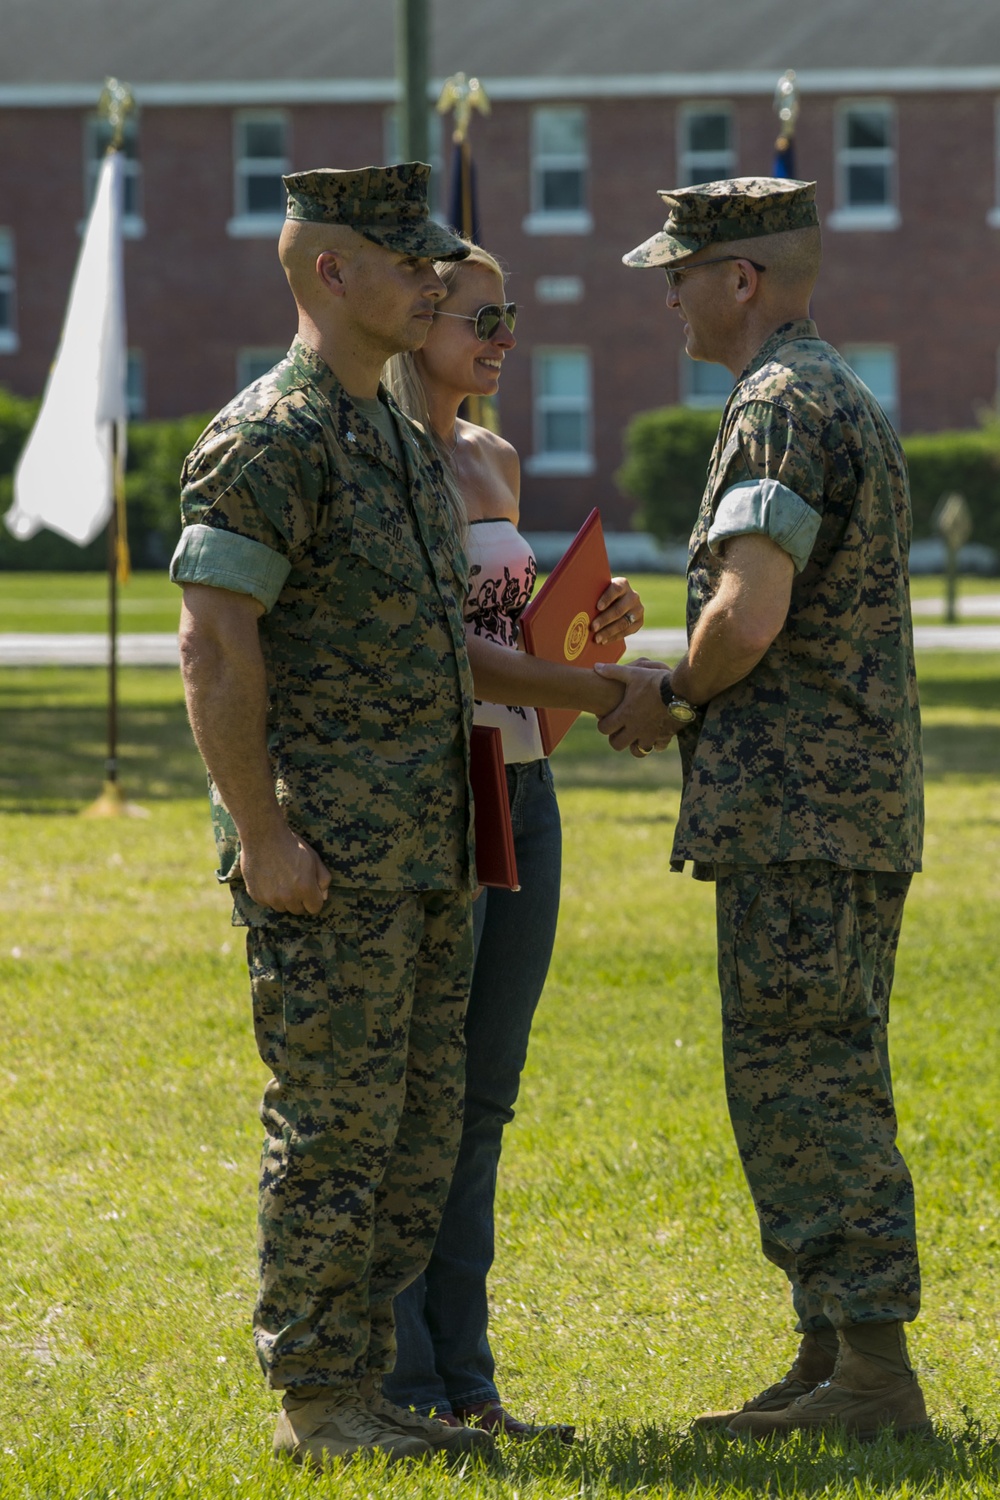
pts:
pixel 351 438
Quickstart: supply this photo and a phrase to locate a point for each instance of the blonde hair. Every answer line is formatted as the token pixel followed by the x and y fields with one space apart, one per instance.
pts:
pixel 402 378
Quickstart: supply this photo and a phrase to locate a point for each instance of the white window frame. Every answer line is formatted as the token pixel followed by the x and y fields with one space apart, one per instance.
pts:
pixel 542 220
pixel 546 462
pixel 849 215
pixel 689 159
pixel 701 401
pixel 133 223
pixel 9 342
pixel 559 288
pixel 993 214
pixel 247 225
pixel 262 357
pixel 850 353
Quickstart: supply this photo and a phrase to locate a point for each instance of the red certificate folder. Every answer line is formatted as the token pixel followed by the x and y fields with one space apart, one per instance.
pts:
pixel 556 624
pixel 495 860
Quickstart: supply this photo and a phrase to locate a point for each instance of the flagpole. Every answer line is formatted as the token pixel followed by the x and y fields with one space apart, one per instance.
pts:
pixel 462 95
pixel 111 764
pixel 115 105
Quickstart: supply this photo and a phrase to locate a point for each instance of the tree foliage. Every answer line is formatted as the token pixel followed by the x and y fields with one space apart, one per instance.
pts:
pixel 667 453
pixel 156 451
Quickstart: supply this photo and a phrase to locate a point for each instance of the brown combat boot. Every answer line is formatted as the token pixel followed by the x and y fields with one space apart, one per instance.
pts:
pixel 338 1424
pixel 812 1364
pixel 860 1398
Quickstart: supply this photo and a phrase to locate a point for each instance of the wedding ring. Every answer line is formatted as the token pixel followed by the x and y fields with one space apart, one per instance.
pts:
pixel 630 617
pixel 638 750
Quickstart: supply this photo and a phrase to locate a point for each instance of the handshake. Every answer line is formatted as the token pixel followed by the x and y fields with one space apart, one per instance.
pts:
pixel 641 722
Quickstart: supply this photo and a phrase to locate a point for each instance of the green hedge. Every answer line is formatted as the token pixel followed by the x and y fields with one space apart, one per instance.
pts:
pixel 156 451
pixel 667 453
pixel 968 462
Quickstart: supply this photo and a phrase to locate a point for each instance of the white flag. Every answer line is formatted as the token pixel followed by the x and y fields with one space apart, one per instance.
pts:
pixel 64 479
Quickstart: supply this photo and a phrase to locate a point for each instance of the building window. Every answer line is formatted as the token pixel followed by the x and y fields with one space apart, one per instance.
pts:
pixel 135 384
pixel 705 144
pixel 877 366
pixel 704 384
pixel 560 163
pixel 251 364
pixel 8 302
pixel 439 186
pixel 993 216
pixel 260 158
pixel 866 167
pixel 559 288
pixel 97 138
pixel 563 437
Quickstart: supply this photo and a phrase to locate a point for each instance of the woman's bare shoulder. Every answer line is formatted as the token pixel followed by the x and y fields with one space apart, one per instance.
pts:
pixel 492 448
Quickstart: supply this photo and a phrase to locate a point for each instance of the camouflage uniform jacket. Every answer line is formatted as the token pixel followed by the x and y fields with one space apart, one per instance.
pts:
pixel 363 579
pixel 815 754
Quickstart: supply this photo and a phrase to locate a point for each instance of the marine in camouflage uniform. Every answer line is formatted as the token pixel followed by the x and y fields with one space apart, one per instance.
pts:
pixel 803 801
pixel 328 510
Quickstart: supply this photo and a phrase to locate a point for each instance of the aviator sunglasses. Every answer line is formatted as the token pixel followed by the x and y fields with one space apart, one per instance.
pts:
pixel 487 319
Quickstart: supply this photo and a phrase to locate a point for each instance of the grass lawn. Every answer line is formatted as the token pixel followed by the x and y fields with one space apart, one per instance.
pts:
pixel 65 602
pixel 629 1291
pixel 71 602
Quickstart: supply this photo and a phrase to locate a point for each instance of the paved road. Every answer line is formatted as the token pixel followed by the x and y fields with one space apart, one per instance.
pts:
pixel 160 650
pixel 86 650
pixel 969 605
pixel 671 643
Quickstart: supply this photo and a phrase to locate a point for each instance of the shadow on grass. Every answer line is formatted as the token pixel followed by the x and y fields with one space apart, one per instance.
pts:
pixel 631 1459
pixel 55 739
pixel 54 728
pixel 961 750
pixel 959 688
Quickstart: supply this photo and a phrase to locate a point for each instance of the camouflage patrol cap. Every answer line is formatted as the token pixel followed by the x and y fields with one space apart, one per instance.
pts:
pixel 738 208
pixel 385 204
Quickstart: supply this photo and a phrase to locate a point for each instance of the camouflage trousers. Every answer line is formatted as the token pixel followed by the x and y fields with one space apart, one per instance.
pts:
pixel 359 1014
pixel 806 958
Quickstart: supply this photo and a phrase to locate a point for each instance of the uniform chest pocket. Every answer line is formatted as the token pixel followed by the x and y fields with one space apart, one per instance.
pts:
pixel 387 543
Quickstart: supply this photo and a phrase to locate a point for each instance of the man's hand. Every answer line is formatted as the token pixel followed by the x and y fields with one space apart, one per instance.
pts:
pixel 226 688
pixel 284 873
pixel 640 722
pixel 619 612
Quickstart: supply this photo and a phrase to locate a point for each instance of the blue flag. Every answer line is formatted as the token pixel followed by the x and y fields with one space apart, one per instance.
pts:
pixel 784 157
pixel 463 199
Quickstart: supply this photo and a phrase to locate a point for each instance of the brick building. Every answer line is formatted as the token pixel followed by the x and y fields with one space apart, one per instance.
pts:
pixel 594 107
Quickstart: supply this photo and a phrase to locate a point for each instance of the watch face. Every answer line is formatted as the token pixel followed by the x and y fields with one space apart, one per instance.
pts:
pixel 681 712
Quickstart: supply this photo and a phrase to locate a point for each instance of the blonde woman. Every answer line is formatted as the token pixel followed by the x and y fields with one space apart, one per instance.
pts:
pixel 444 1361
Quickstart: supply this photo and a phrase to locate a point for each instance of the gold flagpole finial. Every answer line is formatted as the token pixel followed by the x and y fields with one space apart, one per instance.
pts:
pixel 116 103
pixel 462 95
pixel 786 103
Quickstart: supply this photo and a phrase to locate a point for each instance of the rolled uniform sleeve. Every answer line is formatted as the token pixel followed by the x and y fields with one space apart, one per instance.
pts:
pixel 766 508
pixel 772 480
pixel 249 507
pixel 226 560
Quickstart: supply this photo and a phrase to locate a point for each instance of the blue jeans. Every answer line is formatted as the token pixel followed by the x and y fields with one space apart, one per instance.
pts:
pixel 443 1354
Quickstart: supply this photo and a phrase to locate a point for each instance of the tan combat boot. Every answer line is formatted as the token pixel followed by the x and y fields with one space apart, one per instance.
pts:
pixel 440 1436
pixel 812 1364
pixel 860 1398
pixel 459 1441
pixel 338 1424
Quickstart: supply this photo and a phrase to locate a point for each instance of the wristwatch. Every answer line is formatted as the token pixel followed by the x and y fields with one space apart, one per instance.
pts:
pixel 680 710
